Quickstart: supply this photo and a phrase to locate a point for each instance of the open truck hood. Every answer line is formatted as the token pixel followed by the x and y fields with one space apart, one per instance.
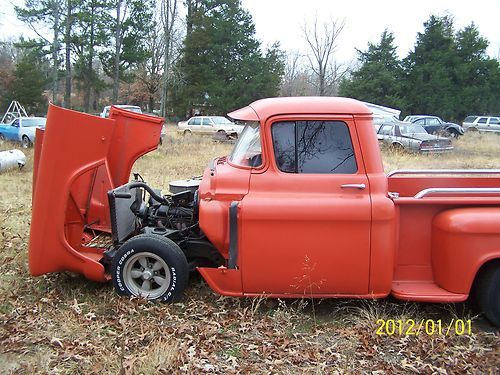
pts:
pixel 78 158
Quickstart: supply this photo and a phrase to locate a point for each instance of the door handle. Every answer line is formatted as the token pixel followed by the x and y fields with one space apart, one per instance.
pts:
pixel 353 186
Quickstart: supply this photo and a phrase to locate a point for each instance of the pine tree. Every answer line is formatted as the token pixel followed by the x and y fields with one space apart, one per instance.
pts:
pixel 379 76
pixel 131 24
pixel 89 33
pixel 477 74
pixel 222 65
pixel 431 80
pixel 30 82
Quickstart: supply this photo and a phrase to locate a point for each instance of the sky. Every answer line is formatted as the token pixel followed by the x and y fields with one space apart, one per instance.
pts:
pixel 365 20
pixel 282 20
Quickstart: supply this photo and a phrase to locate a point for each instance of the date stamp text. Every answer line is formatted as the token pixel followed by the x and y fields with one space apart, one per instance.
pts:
pixel 429 327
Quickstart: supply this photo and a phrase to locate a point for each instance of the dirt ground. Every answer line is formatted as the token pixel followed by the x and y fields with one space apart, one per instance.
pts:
pixel 62 323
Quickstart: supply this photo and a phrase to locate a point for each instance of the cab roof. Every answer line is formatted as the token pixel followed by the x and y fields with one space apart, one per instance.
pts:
pixel 265 108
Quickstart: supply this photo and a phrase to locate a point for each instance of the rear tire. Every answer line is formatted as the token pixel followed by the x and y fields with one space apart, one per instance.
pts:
pixel 152 267
pixel 488 293
pixel 397 147
pixel 2 138
pixel 25 142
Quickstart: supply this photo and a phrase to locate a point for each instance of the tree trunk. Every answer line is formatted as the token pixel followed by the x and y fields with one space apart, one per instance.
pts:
pixel 151 102
pixel 169 13
pixel 67 38
pixel 55 50
pixel 90 67
pixel 116 78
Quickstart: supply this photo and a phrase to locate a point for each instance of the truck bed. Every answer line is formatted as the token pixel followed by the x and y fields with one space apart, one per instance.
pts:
pixel 419 197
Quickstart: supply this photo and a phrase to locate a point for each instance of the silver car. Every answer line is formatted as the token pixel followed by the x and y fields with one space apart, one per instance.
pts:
pixel 482 124
pixel 412 137
pixel 209 125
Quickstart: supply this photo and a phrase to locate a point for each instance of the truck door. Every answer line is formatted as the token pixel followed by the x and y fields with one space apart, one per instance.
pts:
pixel 305 223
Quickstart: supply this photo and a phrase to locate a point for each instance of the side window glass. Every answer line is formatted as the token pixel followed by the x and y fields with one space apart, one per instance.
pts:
pixel 313 147
pixel 494 121
pixel 195 121
pixel 420 122
pixel 284 146
pixel 15 123
pixel 386 130
pixel 482 120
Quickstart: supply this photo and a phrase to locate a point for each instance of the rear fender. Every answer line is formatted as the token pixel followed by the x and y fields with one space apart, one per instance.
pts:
pixel 78 158
pixel 463 239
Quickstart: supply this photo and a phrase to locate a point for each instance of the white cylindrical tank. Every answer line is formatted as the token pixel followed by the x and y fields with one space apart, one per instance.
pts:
pixel 11 159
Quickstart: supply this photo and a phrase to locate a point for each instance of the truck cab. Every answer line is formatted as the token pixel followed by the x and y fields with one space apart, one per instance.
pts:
pixel 301 207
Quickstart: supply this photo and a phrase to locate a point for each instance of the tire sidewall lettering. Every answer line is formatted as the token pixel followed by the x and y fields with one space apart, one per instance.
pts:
pixel 119 269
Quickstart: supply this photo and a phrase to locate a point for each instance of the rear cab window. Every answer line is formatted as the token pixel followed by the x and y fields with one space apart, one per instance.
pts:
pixel 322 147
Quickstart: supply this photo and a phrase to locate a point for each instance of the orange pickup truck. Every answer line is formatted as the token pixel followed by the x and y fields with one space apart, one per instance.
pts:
pixel 302 206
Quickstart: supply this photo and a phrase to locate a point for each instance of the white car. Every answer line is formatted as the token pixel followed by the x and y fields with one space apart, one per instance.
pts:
pixel 482 124
pixel 132 108
pixel 209 125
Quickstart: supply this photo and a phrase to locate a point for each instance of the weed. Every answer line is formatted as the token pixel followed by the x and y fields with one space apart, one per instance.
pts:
pixel 306 284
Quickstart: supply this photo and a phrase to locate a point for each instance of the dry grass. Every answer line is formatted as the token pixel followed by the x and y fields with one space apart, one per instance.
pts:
pixel 64 324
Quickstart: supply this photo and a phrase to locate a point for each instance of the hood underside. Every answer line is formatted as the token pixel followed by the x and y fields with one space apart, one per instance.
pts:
pixel 78 158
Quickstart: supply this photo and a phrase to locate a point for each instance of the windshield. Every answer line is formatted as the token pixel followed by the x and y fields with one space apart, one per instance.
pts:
pixel 248 151
pixel 412 129
pixel 221 120
pixel 133 109
pixel 32 122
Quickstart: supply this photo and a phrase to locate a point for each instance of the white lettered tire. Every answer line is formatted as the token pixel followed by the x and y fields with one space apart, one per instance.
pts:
pixel 152 267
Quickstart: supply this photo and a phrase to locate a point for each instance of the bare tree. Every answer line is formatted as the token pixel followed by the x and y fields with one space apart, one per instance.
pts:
pixel 322 40
pixel 150 72
pixel 118 45
pixel 290 75
pixel 168 17
pixel 297 80
pixel 67 57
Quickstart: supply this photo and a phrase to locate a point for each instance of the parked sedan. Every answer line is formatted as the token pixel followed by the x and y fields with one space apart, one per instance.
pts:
pixel 411 137
pixel 482 124
pixel 435 125
pixel 22 129
pixel 209 125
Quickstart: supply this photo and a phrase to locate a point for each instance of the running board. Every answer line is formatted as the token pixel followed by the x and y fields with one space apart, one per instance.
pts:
pixel 424 291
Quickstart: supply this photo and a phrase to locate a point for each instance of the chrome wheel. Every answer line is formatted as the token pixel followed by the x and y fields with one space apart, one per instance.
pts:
pixel 147 275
